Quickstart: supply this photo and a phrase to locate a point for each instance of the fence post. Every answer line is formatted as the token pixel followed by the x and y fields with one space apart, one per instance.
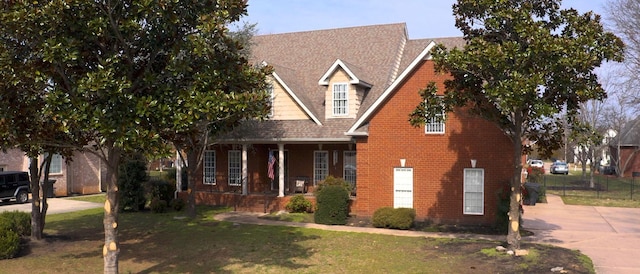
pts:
pixel 633 180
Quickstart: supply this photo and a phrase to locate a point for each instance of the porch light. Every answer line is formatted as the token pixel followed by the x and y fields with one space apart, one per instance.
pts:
pixel 402 162
pixel 473 163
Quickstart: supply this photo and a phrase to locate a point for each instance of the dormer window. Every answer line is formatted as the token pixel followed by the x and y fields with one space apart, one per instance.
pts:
pixel 340 99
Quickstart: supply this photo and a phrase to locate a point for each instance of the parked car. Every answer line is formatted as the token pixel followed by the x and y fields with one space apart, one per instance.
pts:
pixel 559 168
pixel 536 163
pixel 14 185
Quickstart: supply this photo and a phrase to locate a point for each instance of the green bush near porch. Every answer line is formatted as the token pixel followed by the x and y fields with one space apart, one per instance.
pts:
pixel 298 204
pixel 332 202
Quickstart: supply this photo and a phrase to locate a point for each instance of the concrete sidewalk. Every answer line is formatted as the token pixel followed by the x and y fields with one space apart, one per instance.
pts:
pixel 56 205
pixel 610 236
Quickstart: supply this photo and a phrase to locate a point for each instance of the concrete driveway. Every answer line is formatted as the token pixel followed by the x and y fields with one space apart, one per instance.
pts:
pixel 610 236
pixel 56 205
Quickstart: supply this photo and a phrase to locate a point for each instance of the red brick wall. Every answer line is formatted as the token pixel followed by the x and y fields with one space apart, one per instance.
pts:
pixel 631 158
pixel 438 160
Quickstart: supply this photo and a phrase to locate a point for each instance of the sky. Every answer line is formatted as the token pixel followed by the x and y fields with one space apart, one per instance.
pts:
pixel 424 18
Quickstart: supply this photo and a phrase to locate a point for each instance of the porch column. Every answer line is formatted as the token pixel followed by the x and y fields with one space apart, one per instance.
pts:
pixel 245 187
pixel 178 165
pixel 280 170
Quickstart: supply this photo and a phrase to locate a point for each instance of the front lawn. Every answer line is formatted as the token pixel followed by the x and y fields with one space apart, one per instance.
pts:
pixel 163 243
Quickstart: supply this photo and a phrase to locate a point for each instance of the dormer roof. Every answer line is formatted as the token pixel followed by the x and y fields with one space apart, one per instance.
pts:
pixel 350 70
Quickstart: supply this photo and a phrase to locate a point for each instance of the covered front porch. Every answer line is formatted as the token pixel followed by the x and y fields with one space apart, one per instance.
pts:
pixel 261 177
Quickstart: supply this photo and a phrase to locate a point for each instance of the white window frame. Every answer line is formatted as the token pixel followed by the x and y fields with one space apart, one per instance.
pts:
pixel 473 193
pixel 349 159
pixel 209 167
pixel 235 167
pixel 340 99
pixel 320 166
pixel 56 163
pixel 434 126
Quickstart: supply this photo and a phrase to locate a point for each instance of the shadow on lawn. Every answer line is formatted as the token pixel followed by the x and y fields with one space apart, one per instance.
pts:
pixel 151 243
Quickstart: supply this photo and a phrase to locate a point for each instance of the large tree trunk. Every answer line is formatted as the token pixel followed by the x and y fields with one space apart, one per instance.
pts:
pixel 36 225
pixel 111 247
pixel 513 236
pixel 44 205
pixel 192 159
pixel 39 205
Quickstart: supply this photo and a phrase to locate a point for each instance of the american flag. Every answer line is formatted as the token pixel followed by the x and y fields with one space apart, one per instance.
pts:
pixel 272 161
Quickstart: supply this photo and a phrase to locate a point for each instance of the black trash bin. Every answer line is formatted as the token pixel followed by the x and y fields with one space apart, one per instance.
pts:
pixel 50 193
pixel 534 190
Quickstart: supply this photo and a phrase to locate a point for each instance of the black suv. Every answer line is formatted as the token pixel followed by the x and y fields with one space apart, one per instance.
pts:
pixel 14 185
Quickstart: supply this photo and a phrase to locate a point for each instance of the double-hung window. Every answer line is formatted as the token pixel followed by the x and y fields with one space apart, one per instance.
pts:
pixel 435 125
pixel 235 168
pixel 350 167
pixel 473 203
pixel 340 99
pixel 209 167
pixel 320 166
pixel 56 164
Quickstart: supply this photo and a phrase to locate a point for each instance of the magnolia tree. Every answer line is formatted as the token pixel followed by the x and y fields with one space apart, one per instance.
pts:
pixel 525 63
pixel 109 68
pixel 24 124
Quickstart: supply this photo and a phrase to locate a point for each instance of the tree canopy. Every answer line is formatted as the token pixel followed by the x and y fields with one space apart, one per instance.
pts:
pixel 129 75
pixel 525 62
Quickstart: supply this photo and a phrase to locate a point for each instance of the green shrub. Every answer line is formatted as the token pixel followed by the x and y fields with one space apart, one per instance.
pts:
pixel 9 243
pixel 178 204
pixel 132 174
pixel 298 204
pixel 158 206
pixel 396 218
pixel 333 181
pixel 19 222
pixel 159 188
pixel 332 202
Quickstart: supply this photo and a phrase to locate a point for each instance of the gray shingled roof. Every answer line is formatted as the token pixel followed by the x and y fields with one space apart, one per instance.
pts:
pixel 375 54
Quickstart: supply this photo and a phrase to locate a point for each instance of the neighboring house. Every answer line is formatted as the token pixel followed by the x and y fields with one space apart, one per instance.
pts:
pixel 341 100
pixel 83 175
pixel 625 149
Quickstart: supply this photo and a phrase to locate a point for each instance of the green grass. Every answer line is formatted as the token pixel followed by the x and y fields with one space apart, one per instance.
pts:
pixel 609 191
pixel 162 243
pixel 97 198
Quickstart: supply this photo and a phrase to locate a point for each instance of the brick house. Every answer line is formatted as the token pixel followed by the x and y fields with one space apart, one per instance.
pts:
pixel 83 175
pixel 625 149
pixel 341 103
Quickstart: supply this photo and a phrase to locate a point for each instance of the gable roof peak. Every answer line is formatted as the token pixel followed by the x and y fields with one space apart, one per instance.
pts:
pixel 349 69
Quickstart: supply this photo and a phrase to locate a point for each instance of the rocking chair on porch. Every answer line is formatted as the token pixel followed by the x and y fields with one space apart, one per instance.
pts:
pixel 301 185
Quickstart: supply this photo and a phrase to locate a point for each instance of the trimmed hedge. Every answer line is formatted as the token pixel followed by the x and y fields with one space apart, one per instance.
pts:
pixel 9 243
pixel 13 225
pixel 396 218
pixel 19 222
pixel 332 202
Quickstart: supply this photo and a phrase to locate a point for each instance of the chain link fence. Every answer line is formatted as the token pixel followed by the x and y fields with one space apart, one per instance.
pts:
pixel 600 187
